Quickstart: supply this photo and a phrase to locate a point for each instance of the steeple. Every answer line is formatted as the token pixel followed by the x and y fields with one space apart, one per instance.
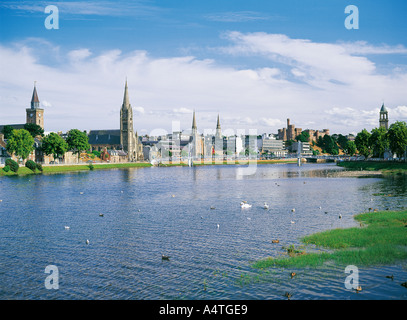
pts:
pixel 194 128
pixel 218 129
pixel 35 102
pixel 126 100
pixel 384 117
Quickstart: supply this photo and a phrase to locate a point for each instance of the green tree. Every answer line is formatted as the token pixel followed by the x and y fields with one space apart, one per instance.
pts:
pixel 77 141
pixel 397 136
pixel 328 144
pixel 31 165
pixel 362 142
pixel 303 136
pixel 342 141
pixel 55 145
pixel 34 129
pixel 350 148
pixel 12 165
pixel 21 143
pixel 379 141
pixel 7 130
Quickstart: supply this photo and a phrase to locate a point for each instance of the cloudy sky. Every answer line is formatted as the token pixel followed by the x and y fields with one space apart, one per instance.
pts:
pixel 256 63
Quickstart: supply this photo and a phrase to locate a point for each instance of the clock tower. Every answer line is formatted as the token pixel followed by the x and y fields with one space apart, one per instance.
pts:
pixel 35 114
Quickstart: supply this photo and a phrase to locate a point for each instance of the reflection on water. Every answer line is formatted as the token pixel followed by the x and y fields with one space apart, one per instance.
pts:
pixel 148 212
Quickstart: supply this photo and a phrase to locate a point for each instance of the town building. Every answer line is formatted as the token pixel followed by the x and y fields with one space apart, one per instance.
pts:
pixel 273 146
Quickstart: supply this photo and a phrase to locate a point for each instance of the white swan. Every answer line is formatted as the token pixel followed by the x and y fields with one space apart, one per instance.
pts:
pixel 244 204
pixel 66 227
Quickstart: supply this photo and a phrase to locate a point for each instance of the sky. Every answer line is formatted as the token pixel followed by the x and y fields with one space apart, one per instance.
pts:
pixel 255 63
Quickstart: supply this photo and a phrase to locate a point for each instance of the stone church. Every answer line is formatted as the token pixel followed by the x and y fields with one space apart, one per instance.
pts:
pixel 124 139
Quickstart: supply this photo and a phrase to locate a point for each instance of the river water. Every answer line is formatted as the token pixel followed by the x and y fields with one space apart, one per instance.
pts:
pixel 148 212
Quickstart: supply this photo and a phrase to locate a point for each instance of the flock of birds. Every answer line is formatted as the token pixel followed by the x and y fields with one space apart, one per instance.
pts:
pixel 243 205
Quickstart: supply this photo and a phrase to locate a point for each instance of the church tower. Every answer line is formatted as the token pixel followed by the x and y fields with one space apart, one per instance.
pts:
pixel 35 114
pixel 218 130
pixel 127 136
pixel 194 138
pixel 384 118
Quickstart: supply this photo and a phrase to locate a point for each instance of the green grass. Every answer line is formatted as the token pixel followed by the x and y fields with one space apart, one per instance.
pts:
pixel 71 168
pixel 381 239
pixel 386 166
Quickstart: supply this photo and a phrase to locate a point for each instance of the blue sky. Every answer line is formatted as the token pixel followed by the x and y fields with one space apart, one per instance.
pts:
pixel 254 62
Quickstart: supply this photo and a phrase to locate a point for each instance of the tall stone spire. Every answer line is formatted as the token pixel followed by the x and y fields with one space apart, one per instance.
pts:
pixel 218 129
pixel 35 102
pixel 126 100
pixel 194 128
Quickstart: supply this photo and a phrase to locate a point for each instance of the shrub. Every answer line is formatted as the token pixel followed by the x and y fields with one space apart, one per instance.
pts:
pixel 6 169
pixel 31 165
pixel 39 166
pixel 12 164
pixel 91 167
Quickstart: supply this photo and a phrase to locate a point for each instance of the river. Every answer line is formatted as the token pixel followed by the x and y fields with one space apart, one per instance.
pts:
pixel 47 219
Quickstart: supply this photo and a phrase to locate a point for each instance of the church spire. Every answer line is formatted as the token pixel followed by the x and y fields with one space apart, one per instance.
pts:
pixel 126 100
pixel 218 129
pixel 194 123
pixel 35 102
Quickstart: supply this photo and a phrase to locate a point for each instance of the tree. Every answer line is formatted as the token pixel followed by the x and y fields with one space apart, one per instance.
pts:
pixel 12 165
pixel 363 143
pixel 7 130
pixel 379 141
pixel 350 148
pixel 328 144
pixel 31 165
pixel 21 143
pixel 303 136
pixel 397 136
pixel 342 140
pixel 55 145
pixel 34 129
pixel 77 141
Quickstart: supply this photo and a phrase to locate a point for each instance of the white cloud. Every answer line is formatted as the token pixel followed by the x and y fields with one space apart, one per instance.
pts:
pixel 237 16
pixel 78 55
pixel 46 104
pixel 337 90
pixel 87 8
pixel 139 110
pixel 399 113
pixel 183 110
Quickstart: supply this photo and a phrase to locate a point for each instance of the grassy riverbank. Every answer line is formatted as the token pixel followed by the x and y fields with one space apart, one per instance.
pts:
pixel 381 239
pixel 85 167
pixel 72 168
pixel 384 166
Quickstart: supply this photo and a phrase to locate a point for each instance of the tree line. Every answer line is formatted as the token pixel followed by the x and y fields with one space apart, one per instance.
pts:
pixel 380 140
pixel 21 141
pixel 375 143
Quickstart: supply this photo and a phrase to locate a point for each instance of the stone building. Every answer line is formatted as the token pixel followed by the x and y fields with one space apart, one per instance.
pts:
pixel 196 141
pixel 288 133
pixel 384 118
pixel 128 139
pixel 124 139
pixel 314 135
pixel 35 115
